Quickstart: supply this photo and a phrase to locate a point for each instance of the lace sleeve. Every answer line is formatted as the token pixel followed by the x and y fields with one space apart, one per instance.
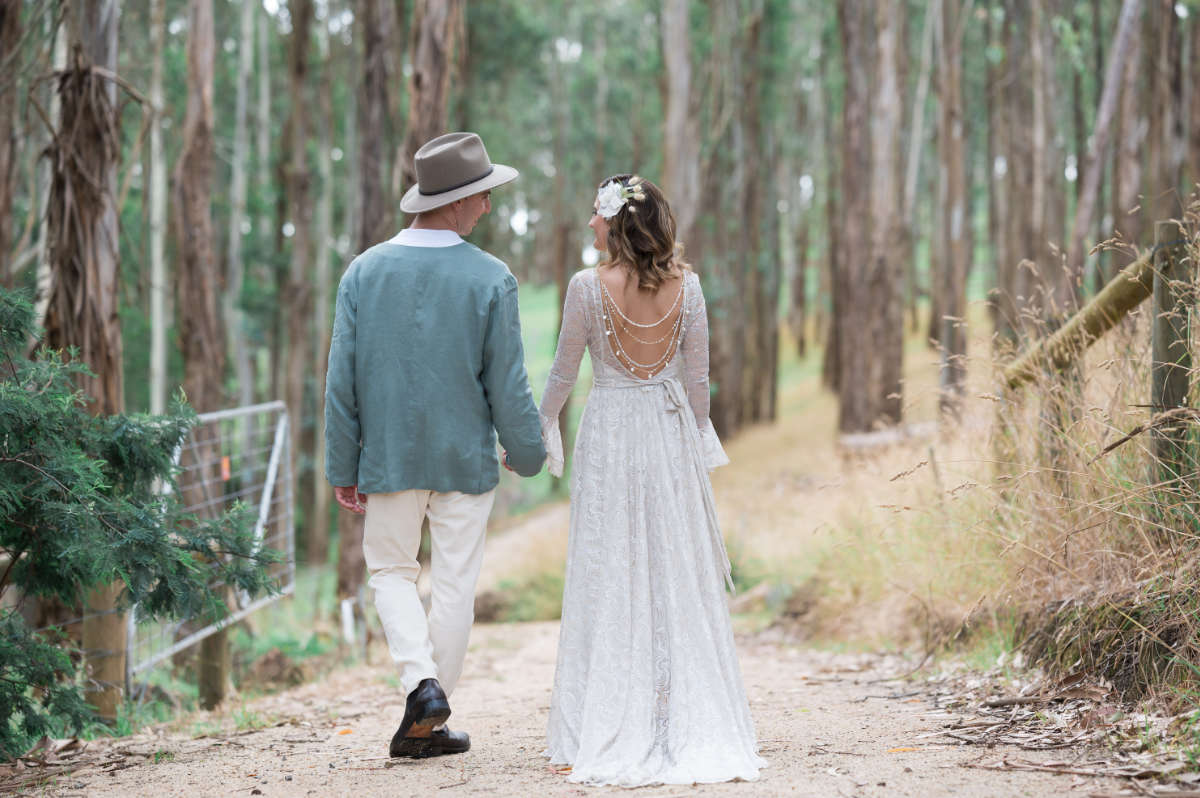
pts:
pixel 572 340
pixel 695 373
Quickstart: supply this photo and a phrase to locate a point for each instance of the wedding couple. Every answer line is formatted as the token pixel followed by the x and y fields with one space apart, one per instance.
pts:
pixel 426 367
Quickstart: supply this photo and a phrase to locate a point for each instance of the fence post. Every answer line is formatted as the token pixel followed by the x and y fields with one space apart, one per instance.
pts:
pixel 104 649
pixel 1171 355
pixel 215 666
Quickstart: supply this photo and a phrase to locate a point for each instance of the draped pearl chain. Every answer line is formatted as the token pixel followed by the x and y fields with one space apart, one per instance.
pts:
pixel 613 316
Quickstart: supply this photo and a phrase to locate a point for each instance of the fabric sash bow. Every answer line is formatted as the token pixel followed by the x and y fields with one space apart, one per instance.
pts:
pixel 678 403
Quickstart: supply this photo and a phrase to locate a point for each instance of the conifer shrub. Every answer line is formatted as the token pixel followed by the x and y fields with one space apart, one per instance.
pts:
pixel 80 507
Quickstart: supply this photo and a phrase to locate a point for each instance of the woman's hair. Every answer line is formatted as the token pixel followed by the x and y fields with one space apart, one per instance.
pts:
pixel 641 236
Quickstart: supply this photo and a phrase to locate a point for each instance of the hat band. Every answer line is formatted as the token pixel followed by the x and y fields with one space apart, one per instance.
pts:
pixel 425 193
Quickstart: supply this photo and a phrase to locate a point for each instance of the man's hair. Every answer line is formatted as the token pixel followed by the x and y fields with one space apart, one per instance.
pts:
pixel 641 236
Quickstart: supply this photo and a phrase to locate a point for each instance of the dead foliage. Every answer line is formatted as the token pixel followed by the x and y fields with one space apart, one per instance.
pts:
pixel 1102 734
pixel 1145 640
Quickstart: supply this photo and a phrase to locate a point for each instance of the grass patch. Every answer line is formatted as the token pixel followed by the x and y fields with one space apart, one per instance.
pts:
pixel 537 597
pixel 248 720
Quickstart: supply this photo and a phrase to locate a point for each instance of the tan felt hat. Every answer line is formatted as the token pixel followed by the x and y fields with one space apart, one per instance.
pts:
pixel 451 167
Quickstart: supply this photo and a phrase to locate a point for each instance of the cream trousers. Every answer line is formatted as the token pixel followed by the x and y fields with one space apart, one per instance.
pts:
pixel 433 647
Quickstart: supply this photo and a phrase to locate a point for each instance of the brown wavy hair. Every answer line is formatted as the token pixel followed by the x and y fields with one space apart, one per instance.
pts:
pixel 641 236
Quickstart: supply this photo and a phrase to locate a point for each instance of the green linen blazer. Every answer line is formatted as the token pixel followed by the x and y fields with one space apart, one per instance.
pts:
pixel 426 366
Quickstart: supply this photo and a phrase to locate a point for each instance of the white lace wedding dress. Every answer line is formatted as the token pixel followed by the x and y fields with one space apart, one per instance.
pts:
pixel 647 688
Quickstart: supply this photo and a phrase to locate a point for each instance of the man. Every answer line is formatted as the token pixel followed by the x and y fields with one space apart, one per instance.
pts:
pixel 425 367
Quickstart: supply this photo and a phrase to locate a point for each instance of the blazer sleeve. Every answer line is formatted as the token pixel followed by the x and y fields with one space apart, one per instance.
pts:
pixel 506 383
pixel 342 433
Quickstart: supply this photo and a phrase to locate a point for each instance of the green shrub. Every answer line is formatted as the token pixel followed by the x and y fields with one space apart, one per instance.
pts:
pixel 79 509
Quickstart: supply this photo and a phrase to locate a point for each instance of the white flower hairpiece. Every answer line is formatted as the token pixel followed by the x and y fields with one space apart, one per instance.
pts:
pixel 612 196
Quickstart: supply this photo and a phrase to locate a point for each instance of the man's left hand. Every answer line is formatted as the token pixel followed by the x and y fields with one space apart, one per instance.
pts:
pixel 351 499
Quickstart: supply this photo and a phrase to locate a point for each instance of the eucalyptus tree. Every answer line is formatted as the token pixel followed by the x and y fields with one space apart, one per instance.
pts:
pixel 10 37
pixel 83 306
pixel 200 334
pixel 436 29
pixel 296 297
pixel 954 218
pixel 886 270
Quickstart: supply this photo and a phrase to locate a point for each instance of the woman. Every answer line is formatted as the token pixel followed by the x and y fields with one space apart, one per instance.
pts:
pixel 647 689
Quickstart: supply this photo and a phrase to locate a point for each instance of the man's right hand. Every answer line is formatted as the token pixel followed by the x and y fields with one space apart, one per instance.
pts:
pixel 351 499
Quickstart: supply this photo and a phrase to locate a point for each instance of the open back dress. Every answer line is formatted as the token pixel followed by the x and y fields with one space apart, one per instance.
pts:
pixel 647 688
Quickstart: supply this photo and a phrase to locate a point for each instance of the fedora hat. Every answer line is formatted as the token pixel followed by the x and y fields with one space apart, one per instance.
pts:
pixel 451 167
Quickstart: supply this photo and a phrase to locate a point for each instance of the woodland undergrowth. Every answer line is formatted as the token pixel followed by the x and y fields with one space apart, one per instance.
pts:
pixel 1039 521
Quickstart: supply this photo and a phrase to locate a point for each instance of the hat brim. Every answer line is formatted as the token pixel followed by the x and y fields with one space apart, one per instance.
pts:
pixel 416 202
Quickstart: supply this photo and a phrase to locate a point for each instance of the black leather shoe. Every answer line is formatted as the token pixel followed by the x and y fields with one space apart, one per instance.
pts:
pixel 426 709
pixel 440 742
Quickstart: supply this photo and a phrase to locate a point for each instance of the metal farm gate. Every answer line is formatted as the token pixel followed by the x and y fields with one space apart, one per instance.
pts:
pixel 247 459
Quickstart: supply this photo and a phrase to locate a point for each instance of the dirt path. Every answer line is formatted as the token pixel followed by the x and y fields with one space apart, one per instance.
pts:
pixel 826 728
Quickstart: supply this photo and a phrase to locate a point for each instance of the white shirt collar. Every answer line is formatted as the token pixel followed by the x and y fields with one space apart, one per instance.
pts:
pixel 421 237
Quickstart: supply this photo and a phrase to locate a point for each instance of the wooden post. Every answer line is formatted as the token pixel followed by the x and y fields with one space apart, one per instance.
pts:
pixel 1122 294
pixel 104 639
pixel 215 668
pixel 1171 358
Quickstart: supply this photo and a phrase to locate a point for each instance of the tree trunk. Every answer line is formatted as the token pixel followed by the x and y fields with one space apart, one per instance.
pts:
pixel 435 23
pixel 1016 278
pixel 857 401
pixel 322 317
pixel 798 318
pixel 1192 177
pixel 760 330
pixel 1176 135
pixel 886 274
pixel 1161 179
pixel 262 128
pixel 912 164
pixel 724 181
pixel 1093 169
pixel 1039 153
pixel 797 235
pixel 1127 161
pixel 10 35
pixel 199 326
pixel 83 304
pixel 997 199
pixel 954 217
pixel 268 198
pixel 376 216
pixel 681 139
pixel 296 299
pixel 831 361
pixel 159 292
pixel 83 300
pixel 234 318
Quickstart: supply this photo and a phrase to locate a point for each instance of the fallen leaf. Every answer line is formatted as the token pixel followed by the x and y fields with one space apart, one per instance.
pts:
pixel 346 731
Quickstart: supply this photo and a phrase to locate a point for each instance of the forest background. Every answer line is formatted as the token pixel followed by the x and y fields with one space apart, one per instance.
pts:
pixel 865 188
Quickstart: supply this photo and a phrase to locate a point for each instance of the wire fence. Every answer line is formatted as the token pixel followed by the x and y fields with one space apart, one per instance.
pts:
pixel 231 456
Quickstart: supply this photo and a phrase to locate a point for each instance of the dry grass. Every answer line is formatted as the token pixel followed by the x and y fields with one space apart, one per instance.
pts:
pixel 1023 521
